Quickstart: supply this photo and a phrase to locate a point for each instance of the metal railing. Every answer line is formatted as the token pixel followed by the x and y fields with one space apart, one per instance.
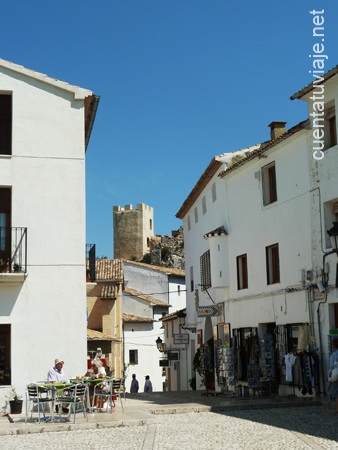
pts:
pixel 90 262
pixel 13 249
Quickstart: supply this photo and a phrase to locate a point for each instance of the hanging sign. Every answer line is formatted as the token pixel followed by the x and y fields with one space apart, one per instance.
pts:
pixel 181 338
pixel 207 311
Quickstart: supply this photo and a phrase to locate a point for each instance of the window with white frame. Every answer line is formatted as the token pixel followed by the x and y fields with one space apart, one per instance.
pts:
pixel 191 278
pixel 189 223
pixel 272 264
pixel 204 205
pixel 242 272
pixel 5 124
pixel 213 192
pixel 269 184
pixel 196 214
pixel 330 127
pixel 205 270
pixel 133 357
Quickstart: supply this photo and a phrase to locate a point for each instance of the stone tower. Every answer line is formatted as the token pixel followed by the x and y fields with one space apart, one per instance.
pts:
pixel 133 231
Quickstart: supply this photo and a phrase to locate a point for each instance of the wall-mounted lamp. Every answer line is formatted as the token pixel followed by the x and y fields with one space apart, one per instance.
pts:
pixel 160 345
pixel 181 315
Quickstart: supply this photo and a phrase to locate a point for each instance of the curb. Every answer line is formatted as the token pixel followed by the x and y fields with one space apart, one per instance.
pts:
pixel 13 428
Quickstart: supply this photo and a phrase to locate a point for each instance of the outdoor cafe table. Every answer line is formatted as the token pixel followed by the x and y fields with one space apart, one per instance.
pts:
pixel 59 387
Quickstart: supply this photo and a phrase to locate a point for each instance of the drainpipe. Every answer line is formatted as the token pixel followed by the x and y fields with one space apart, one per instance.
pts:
pixel 320 343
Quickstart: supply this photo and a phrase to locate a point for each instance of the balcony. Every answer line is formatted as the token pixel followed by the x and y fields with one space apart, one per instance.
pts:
pixel 13 255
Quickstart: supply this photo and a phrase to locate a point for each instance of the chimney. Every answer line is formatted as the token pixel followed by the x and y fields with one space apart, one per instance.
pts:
pixel 277 129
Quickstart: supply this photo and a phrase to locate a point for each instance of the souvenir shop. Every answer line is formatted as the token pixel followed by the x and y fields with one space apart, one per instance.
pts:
pixel 268 360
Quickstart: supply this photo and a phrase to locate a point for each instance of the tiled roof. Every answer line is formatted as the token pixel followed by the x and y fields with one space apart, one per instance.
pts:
pixel 172 315
pixel 79 93
pixel 170 270
pixel 109 270
pixel 132 318
pixel 310 86
pixel 264 147
pixel 108 292
pixel 93 335
pixel 216 232
pixel 145 297
pixel 210 171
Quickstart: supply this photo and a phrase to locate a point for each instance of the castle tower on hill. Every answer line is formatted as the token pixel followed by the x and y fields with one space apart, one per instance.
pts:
pixel 133 231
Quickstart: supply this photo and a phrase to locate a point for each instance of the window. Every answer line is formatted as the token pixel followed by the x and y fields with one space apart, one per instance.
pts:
pixel 205 270
pixel 189 223
pixel 5 222
pixel 269 184
pixel 5 354
pixel 213 192
pixel 150 224
pixel 5 124
pixel 272 264
pixel 3 230
pixel 133 356
pixel 242 272
pixel 330 128
pixel 191 278
pixel 196 214
pixel 204 206
pixel 178 290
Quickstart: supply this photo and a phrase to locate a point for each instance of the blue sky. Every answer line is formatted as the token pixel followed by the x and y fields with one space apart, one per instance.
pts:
pixel 180 82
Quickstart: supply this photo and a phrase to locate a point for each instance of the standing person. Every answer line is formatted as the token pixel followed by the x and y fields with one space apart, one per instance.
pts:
pixel 333 386
pixel 56 373
pixel 134 385
pixel 148 387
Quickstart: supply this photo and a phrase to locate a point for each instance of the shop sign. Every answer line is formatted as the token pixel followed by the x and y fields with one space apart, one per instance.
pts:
pixel 207 311
pixel 181 338
pixel 173 356
pixel 164 363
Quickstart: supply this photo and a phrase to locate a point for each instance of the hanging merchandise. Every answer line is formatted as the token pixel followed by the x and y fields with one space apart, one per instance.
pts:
pixel 303 338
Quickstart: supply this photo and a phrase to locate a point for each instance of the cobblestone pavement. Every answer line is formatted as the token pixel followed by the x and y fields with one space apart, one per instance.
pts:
pixel 311 427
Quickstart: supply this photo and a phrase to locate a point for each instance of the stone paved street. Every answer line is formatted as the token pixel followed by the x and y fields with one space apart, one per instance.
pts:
pixel 310 427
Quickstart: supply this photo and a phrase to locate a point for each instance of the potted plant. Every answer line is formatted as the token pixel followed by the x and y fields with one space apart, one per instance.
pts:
pixel 17 267
pixel 15 402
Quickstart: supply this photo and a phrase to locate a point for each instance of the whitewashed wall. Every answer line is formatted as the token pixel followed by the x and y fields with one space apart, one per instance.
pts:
pixel 47 175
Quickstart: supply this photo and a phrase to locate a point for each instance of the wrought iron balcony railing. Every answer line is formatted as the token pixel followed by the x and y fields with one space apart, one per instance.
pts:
pixel 13 249
pixel 90 263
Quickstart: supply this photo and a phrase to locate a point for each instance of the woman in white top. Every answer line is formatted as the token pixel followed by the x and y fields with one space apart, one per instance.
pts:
pixel 98 369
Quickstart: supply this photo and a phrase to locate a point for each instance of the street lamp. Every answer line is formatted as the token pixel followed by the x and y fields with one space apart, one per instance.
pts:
pixel 181 315
pixel 160 345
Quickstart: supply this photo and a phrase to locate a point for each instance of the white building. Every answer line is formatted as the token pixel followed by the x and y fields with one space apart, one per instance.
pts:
pixel 150 293
pixel 45 125
pixel 255 235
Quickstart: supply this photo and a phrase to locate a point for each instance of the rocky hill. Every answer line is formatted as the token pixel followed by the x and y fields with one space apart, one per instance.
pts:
pixel 167 251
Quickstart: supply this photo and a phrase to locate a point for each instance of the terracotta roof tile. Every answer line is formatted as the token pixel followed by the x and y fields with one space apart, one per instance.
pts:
pixel 170 270
pixel 216 232
pixel 265 146
pixel 132 318
pixel 308 88
pixel 93 335
pixel 108 292
pixel 145 297
pixel 109 270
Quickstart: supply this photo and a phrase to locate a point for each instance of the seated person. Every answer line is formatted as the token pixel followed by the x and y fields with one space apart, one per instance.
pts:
pixel 56 373
pixel 97 370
